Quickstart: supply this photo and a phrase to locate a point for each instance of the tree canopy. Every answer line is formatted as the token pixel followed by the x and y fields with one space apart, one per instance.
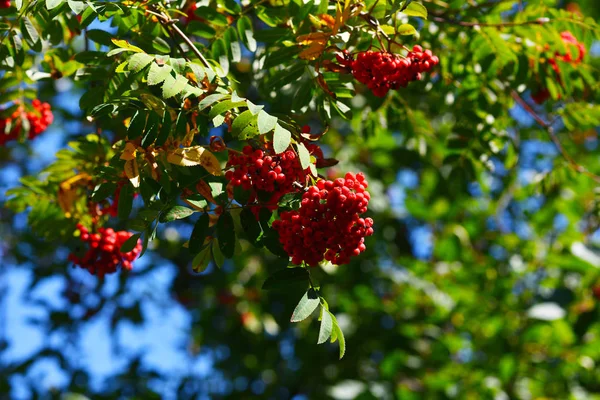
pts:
pixel 414 182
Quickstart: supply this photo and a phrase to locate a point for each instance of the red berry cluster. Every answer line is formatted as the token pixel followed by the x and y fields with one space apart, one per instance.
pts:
pixel 4 3
pixel 569 40
pixel 104 254
pixel 328 224
pixel 263 170
pixel 383 71
pixel 39 119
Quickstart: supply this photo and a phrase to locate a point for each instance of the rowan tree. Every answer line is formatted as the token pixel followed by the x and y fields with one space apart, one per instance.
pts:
pixel 428 168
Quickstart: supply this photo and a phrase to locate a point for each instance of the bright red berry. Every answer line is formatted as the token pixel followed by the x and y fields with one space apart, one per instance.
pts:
pixel 382 71
pixel 328 224
pixel 104 253
pixel 39 118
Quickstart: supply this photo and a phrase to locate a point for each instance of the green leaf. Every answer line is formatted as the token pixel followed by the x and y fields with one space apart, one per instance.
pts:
pixel 172 87
pixel 302 97
pixel 76 6
pixel 255 109
pixel 210 100
pixel 234 45
pixel 103 190
pixel 201 260
pixel 266 122
pixel 151 129
pixel 337 334
pixel 157 74
pixel 279 56
pixel 139 61
pixel 175 212
pixel 124 44
pixel 50 4
pixel 281 139
pixel 224 106
pixel 130 243
pixel 137 124
pixel 304 156
pixel 308 303
pixel 406 29
pixel 218 255
pixel 220 54
pixel 165 129
pixel 226 234
pixel 250 225
pixel 201 29
pixel 285 277
pixel 326 326
pixel 199 233
pixel 416 10
pixel 285 76
pixel 241 121
pixel 125 201
pixel 30 34
pixel 246 33
pixel 290 201
pixel 211 15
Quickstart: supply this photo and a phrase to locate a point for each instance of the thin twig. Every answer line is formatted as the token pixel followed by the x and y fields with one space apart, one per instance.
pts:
pixel 550 131
pixel 169 23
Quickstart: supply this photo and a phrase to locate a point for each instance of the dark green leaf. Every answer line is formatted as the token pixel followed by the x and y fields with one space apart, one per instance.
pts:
pixel 199 233
pixel 137 124
pixel 251 225
pixel 130 243
pixel 125 201
pixel 174 213
pixel 103 190
pixel 246 32
pixel 226 234
pixel 201 260
pixel 165 129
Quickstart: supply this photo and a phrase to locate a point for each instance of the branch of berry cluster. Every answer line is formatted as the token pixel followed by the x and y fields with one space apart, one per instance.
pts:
pixel 550 131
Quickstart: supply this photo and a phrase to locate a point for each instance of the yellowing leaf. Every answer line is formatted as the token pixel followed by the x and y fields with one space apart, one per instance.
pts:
pixel 312 37
pixel 327 20
pixel 387 29
pixel 128 152
pixel 341 16
pixel 132 172
pixel 204 189
pixel 66 199
pixel 313 51
pixel 406 29
pixel 67 192
pixel 196 155
pixel 124 44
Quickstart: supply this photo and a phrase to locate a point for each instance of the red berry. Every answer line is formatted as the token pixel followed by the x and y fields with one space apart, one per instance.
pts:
pixel 328 224
pixel 382 71
pixel 104 253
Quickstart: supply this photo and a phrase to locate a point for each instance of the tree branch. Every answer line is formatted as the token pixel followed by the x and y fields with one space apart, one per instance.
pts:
pixel 169 24
pixel 550 131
